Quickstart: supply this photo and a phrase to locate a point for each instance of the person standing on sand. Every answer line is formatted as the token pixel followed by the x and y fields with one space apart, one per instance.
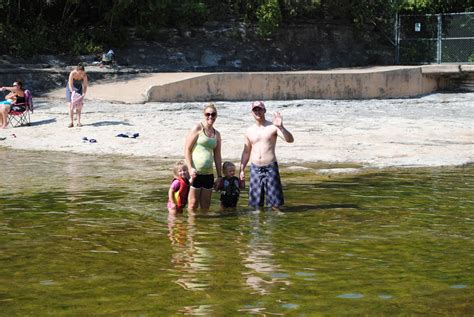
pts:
pixel 259 148
pixel 76 89
pixel 202 148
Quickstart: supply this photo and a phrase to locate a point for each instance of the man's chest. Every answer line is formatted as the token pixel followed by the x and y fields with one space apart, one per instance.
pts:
pixel 262 134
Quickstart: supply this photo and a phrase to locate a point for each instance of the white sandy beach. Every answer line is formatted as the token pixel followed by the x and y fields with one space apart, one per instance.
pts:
pixel 433 130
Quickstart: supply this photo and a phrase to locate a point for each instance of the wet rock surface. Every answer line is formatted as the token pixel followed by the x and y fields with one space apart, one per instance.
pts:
pixel 433 130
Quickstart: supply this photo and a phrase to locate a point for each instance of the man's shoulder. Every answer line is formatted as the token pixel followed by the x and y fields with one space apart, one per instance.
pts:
pixel 267 125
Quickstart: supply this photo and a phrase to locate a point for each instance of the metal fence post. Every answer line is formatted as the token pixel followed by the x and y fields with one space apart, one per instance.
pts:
pixel 435 38
pixel 439 39
pixel 397 38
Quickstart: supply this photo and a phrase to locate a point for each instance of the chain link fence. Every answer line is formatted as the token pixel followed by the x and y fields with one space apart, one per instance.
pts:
pixel 435 38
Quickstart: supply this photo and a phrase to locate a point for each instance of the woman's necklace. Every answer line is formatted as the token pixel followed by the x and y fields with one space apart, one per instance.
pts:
pixel 208 131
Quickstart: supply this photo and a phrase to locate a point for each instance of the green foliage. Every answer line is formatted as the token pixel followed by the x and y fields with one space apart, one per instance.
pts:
pixel 417 5
pixel 435 6
pixel 300 9
pixel 268 18
pixel 83 26
pixel 192 13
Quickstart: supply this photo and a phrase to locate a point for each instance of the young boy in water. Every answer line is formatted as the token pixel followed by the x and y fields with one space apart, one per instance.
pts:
pixel 179 188
pixel 229 186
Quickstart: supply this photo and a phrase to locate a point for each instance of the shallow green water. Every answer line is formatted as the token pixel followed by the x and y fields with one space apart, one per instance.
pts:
pixel 81 235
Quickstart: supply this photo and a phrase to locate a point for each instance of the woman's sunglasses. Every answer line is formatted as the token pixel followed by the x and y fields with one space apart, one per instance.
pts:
pixel 211 114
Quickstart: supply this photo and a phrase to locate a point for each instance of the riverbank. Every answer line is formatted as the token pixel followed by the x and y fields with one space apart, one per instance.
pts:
pixel 433 130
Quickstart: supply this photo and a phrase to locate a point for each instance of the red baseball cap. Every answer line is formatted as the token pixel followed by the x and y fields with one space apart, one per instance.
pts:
pixel 257 104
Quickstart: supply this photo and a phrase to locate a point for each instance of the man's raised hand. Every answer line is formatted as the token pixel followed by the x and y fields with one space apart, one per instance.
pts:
pixel 277 120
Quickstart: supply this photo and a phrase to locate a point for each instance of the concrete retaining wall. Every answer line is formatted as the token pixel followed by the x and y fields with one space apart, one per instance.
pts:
pixel 364 83
pixel 386 82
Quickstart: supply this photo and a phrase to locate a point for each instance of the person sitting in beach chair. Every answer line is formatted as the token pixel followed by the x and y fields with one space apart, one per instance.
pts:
pixel 16 108
pixel 108 59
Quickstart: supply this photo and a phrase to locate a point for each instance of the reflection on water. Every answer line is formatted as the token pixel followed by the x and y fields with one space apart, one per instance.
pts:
pixel 188 257
pixel 82 235
pixel 259 257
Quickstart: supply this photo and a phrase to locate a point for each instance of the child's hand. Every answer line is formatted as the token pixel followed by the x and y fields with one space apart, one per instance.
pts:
pixel 192 173
pixel 172 208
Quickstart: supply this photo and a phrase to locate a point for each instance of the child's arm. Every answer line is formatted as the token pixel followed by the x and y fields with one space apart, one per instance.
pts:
pixel 173 189
pixel 171 196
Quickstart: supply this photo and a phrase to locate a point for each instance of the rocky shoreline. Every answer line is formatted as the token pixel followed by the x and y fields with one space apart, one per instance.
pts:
pixel 434 130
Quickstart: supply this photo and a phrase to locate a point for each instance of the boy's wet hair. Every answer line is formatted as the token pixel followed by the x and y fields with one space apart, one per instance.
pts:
pixel 226 165
pixel 177 166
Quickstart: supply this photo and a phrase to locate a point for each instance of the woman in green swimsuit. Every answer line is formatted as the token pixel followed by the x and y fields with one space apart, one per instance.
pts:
pixel 201 149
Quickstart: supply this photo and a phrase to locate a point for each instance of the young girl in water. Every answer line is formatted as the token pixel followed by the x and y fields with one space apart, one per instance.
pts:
pixel 229 186
pixel 179 188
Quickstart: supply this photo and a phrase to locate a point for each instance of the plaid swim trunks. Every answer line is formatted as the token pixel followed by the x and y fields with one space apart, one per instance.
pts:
pixel 265 182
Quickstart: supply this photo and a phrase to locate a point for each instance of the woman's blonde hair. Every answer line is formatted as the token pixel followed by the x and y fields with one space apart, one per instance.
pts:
pixel 177 166
pixel 211 106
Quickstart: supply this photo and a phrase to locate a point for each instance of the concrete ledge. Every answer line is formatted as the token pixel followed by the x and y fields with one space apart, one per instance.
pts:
pixel 441 69
pixel 379 82
pixel 354 83
pixel 467 68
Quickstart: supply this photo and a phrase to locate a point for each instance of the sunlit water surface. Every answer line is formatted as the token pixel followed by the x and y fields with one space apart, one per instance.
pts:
pixel 82 235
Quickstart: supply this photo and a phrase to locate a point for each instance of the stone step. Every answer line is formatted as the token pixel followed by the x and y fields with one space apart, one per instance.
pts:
pixel 466 84
pixel 469 88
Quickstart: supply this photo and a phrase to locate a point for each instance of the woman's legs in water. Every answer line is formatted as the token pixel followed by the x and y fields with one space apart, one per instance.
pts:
pixel 193 199
pixel 199 197
pixel 205 199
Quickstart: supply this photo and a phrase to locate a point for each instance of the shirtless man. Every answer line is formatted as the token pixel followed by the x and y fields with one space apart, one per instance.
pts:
pixel 259 148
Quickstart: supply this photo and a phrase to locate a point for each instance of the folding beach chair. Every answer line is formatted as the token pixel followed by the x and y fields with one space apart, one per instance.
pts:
pixel 20 118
